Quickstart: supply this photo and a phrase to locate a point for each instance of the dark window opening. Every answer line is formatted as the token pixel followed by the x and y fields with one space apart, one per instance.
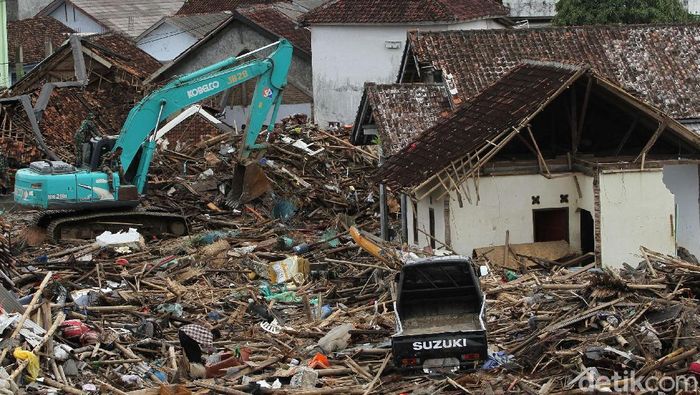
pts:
pixel 587 232
pixel 431 214
pixel 551 224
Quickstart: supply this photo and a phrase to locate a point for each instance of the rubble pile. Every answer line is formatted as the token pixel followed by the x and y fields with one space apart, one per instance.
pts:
pixel 565 330
pixel 296 300
pixel 5 253
pixel 314 174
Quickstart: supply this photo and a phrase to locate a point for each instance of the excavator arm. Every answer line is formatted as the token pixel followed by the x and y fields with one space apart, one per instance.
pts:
pixel 137 140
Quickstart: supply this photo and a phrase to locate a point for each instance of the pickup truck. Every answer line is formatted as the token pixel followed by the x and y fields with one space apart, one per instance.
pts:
pixel 439 316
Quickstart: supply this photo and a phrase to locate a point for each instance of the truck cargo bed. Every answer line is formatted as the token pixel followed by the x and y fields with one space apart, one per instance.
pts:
pixel 441 323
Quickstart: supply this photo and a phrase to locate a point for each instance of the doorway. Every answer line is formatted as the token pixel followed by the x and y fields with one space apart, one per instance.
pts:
pixel 587 232
pixel 551 224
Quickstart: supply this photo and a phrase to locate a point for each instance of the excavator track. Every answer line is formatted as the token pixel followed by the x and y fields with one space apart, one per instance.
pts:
pixel 87 225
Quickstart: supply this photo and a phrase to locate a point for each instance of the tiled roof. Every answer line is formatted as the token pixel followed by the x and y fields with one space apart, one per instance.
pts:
pixel 505 105
pixel 66 110
pixel 401 112
pixel 403 11
pixel 274 21
pixel 121 54
pixel 32 34
pixel 130 17
pixel 206 6
pixel 198 25
pixel 124 53
pixel 656 63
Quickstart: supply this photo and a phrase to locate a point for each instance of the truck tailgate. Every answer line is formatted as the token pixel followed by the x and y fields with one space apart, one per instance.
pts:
pixel 413 350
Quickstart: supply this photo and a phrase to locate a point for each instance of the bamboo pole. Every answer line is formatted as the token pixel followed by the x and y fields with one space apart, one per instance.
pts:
pixel 23 364
pixel 27 312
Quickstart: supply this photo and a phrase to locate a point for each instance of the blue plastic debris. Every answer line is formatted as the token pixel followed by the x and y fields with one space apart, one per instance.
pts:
pixel 497 359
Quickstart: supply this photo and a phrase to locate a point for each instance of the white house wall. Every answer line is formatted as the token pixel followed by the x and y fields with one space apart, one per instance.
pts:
pixel 636 210
pixel 505 205
pixel 76 19
pixel 347 56
pixel 682 181
pixel 166 42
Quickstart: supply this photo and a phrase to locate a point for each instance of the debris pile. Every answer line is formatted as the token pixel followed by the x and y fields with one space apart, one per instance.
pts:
pixel 5 253
pixel 285 295
pixel 587 328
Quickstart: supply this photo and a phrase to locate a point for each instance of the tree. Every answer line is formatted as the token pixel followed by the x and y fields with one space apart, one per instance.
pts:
pixel 601 12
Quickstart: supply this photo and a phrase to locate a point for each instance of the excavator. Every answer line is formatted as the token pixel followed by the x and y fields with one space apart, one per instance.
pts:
pixel 104 192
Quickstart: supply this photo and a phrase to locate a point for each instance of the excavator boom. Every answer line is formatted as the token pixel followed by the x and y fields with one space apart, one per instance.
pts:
pixel 115 171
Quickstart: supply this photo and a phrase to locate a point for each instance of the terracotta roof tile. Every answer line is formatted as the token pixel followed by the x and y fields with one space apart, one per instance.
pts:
pixel 656 63
pixel 280 24
pixel 124 52
pixel 402 111
pixel 403 11
pixel 32 34
pixel 498 108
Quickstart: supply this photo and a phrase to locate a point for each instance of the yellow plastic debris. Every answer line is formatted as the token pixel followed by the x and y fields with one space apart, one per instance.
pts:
pixel 33 369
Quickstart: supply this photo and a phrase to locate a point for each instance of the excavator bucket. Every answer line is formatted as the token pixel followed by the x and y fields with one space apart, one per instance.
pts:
pixel 249 182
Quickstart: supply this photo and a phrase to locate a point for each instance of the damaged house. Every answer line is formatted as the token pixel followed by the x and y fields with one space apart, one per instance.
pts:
pixel 649 62
pixel 100 75
pixel 548 152
pixel 89 83
pixel 32 40
pixel 244 30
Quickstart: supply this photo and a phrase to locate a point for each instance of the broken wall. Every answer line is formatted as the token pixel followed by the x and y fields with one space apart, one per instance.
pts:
pixel 419 229
pixel 636 210
pixel 683 182
pixel 506 204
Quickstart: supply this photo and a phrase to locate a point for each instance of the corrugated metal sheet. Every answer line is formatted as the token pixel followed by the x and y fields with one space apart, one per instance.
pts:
pixel 131 17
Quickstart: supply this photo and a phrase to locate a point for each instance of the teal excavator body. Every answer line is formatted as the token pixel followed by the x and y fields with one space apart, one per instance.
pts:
pixel 50 185
pixel 115 168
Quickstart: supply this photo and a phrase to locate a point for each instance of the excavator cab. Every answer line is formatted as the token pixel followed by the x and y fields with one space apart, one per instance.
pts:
pixel 95 150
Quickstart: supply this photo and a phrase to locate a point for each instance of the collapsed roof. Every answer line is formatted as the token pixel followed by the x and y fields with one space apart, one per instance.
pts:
pixel 110 53
pixel 36 36
pixel 396 113
pixel 594 121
